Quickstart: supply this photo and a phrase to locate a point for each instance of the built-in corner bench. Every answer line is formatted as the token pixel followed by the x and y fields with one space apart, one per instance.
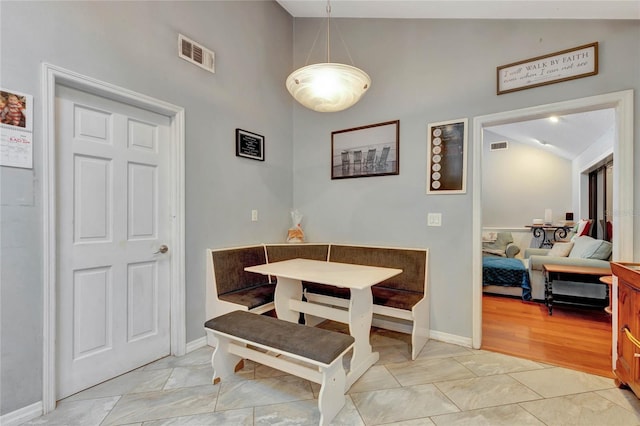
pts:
pixel 399 303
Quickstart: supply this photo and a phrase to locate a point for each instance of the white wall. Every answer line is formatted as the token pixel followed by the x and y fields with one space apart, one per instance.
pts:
pixel 521 182
pixel 134 45
pixel 426 71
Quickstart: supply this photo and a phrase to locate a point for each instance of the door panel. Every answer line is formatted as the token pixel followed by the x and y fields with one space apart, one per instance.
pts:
pixel 113 215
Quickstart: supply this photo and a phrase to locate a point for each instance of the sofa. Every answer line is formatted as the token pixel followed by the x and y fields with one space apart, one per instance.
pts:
pixel 582 251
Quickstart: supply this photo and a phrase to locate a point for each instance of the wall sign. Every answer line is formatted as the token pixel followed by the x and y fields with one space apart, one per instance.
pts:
pixel 578 62
pixel 16 129
pixel 447 157
pixel 249 145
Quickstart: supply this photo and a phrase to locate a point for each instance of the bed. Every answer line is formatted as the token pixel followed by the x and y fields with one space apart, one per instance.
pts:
pixel 507 276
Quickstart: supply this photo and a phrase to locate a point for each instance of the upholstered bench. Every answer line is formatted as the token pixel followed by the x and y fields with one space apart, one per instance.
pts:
pixel 401 297
pixel 282 345
pixel 230 288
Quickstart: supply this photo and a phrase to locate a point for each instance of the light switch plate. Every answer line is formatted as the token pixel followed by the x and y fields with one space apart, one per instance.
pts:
pixel 434 219
pixel 254 215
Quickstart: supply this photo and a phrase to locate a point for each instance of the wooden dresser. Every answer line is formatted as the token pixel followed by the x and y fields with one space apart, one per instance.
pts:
pixel 628 364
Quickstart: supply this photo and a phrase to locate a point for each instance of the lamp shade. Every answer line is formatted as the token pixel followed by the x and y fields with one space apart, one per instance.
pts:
pixel 328 87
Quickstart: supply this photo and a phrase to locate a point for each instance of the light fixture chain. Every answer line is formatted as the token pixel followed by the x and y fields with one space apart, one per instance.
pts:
pixel 346 48
pixel 313 45
pixel 328 31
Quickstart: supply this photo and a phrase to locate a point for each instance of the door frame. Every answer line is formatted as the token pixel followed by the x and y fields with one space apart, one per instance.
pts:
pixel 622 102
pixel 51 77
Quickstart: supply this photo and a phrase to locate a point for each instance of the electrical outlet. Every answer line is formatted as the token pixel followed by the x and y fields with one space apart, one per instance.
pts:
pixel 254 215
pixel 434 219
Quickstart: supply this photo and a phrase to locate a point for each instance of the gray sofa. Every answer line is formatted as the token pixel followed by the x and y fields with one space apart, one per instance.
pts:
pixel 582 251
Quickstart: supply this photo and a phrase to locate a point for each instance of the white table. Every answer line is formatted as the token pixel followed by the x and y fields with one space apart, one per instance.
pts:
pixel 357 278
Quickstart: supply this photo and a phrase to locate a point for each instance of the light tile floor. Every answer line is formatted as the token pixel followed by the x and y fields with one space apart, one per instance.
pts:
pixel 446 385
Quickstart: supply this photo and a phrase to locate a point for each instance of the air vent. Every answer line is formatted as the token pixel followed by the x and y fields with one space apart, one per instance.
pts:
pixel 195 53
pixel 497 146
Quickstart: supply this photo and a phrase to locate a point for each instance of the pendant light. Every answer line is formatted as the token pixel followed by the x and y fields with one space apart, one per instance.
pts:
pixel 328 87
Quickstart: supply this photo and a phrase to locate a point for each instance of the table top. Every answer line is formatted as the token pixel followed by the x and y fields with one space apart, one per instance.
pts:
pixel 345 275
pixel 572 269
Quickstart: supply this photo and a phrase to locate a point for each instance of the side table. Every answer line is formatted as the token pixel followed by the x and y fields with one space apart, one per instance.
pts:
pixel 587 275
pixel 608 280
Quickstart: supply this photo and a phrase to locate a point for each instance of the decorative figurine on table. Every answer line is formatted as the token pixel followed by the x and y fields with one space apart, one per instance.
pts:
pixel 296 234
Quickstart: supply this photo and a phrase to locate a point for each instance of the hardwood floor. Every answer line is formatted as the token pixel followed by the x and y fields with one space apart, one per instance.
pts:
pixel 575 338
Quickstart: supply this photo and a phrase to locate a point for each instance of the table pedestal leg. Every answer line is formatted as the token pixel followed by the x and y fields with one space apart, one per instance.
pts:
pixel 287 289
pixel 360 316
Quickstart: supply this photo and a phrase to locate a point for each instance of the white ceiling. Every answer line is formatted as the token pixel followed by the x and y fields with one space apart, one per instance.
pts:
pixel 466 9
pixel 568 138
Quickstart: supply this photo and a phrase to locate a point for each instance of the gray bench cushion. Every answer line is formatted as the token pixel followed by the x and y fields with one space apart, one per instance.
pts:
pixel 278 252
pixel 412 263
pixel 229 267
pixel 251 297
pixel 313 343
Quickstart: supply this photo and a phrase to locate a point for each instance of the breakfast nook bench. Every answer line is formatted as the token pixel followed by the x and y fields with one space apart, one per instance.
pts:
pixel 283 345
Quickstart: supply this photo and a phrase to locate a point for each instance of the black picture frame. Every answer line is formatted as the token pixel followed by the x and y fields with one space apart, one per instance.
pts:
pixel 447 157
pixel 249 145
pixel 366 151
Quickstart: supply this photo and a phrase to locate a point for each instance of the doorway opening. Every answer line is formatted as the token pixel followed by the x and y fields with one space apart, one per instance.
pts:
pixel 622 185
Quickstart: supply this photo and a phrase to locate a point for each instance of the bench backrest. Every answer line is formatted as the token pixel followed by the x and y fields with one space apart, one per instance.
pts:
pixel 228 268
pixel 413 263
pixel 278 252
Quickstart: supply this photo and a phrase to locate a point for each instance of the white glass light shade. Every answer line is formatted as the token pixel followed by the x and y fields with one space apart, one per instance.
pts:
pixel 328 87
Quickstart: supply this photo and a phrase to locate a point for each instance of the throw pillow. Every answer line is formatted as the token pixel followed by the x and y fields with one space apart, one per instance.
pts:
pixel 560 249
pixel 583 227
pixel 600 250
pixel 586 247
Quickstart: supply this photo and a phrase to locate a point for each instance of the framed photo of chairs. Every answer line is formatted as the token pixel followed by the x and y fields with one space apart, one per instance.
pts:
pixel 366 151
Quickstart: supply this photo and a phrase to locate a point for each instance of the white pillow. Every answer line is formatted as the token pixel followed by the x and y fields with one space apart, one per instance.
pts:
pixel 560 249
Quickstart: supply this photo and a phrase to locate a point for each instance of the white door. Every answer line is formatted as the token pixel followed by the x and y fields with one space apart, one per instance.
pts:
pixel 113 308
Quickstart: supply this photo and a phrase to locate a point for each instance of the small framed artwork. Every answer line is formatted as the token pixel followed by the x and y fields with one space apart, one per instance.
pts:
pixel 447 157
pixel 249 145
pixel 366 151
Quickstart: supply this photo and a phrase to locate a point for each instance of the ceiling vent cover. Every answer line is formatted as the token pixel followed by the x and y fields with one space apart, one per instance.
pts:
pixel 195 53
pixel 497 146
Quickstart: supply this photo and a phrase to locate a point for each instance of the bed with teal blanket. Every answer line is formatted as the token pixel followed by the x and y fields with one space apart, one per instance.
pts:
pixel 506 272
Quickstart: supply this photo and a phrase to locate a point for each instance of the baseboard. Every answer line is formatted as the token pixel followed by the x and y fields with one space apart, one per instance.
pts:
pixel 22 415
pixel 196 344
pixel 451 338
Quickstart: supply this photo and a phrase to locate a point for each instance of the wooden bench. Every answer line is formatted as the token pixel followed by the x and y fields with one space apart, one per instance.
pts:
pixel 403 297
pixel 283 345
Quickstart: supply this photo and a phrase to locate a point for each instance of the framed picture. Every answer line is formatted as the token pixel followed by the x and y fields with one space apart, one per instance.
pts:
pixel 577 62
pixel 366 151
pixel 447 157
pixel 249 145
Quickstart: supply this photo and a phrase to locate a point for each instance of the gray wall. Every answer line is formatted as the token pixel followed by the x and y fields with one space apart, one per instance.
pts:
pixel 520 182
pixel 134 45
pixel 426 71
pixel 423 71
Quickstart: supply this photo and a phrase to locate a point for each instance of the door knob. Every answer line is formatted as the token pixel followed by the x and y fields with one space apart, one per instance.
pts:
pixel 163 249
